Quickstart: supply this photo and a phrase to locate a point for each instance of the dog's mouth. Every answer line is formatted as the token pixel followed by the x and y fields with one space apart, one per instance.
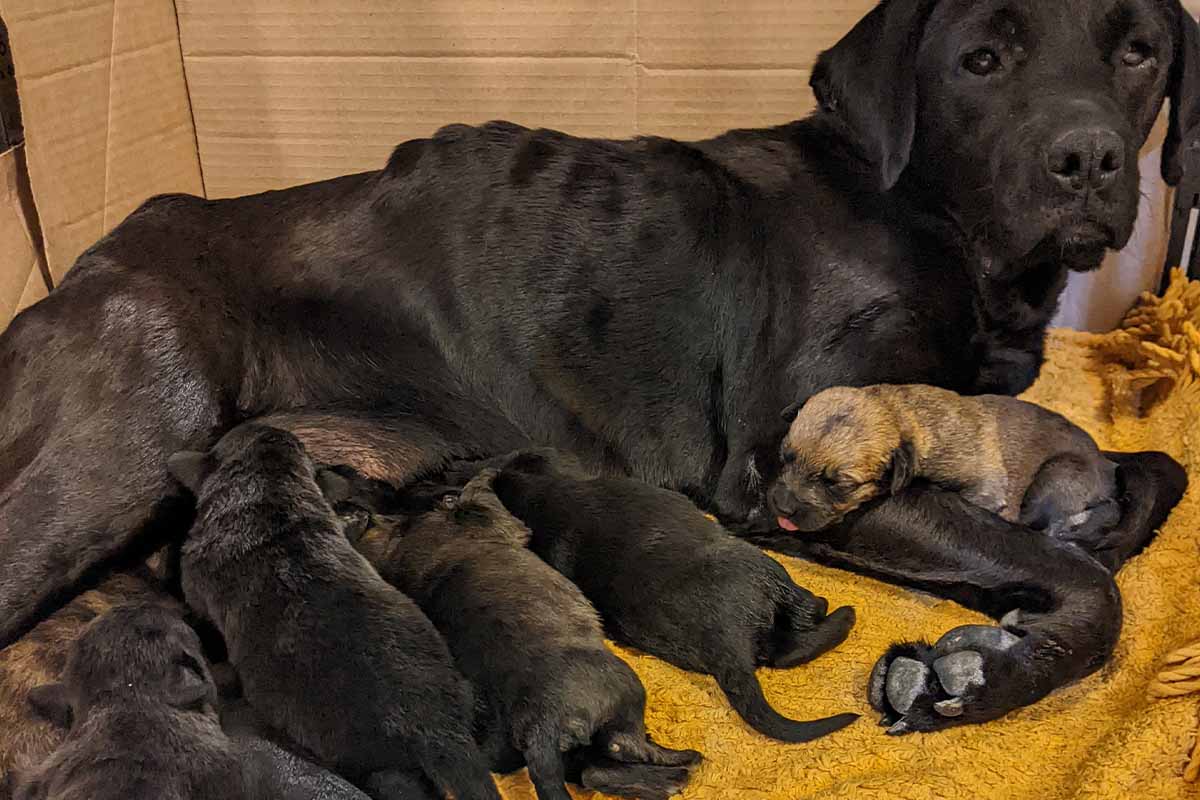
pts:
pixel 1081 244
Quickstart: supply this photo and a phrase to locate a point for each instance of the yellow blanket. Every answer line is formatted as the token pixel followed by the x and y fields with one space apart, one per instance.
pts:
pixel 1135 389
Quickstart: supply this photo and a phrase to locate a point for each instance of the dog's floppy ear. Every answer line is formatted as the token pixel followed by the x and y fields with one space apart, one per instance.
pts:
pixel 868 81
pixel 1183 132
pixel 190 468
pixel 51 702
pixel 901 467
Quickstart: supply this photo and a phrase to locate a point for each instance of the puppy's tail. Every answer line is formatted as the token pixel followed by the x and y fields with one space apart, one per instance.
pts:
pixel 460 769
pixel 746 696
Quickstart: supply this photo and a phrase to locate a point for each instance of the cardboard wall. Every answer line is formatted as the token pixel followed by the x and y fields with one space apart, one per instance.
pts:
pixel 22 273
pixel 105 110
pixel 284 92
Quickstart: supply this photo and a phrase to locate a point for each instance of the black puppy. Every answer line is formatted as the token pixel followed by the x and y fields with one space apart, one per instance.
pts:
pixel 139 700
pixel 529 641
pixel 327 652
pixel 672 583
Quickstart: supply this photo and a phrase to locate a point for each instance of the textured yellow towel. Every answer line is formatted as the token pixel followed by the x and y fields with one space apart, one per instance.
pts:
pixel 1136 389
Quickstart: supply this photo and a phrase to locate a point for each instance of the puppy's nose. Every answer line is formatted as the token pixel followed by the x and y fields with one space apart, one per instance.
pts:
pixel 786 503
pixel 1086 159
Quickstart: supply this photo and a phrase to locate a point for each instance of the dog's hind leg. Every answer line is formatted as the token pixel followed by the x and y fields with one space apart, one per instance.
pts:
pixel 99 383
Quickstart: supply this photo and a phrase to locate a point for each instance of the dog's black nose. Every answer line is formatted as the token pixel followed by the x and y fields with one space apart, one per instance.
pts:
pixel 785 502
pixel 1086 159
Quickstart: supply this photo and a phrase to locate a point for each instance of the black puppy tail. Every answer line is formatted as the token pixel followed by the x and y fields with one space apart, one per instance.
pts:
pixel 746 696
pixel 461 771
pixel 1149 485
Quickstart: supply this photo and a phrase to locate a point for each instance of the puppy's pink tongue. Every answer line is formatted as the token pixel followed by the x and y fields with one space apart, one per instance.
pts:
pixel 787 524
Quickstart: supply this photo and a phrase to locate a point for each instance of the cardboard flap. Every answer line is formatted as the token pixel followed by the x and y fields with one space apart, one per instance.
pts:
pixel 22 282
pixel 105 110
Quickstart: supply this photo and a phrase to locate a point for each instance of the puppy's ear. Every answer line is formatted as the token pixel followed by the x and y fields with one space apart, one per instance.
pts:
pixel 336 488
pixel 901 468
pixel 868 81
pixel 190 468
pixel 51 702
pixel 1183 132
pixel 188 684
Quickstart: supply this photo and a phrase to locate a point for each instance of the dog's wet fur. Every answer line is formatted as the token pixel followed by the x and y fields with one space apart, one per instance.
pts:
pixel 670 582
pixel 139 702
pixel 326 651
pixel 849 445
pixel 551 695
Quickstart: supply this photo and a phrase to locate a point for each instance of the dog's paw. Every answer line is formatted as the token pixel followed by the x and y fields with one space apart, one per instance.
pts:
pixel 961 679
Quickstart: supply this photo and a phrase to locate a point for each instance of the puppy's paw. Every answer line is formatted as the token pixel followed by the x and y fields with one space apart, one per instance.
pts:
pixel 966 677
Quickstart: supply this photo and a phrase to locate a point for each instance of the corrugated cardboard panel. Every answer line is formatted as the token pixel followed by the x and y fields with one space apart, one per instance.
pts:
pixel 411 27
pixel 266 122
pixel 105 110
pixel 748 33
pixel 696 103
pixel 284 91
pixel 21 268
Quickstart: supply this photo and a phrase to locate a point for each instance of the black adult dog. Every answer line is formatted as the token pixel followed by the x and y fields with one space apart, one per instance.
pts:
pixel 648 305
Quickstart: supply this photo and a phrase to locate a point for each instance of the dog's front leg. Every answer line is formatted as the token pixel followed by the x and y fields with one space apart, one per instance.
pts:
pixel 1068 607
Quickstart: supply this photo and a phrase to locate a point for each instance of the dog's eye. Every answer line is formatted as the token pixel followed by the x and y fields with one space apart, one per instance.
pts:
pixel 981 62
pixel 1137 54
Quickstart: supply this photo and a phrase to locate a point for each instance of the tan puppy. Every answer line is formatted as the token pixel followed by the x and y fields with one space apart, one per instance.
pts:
pixel 847 446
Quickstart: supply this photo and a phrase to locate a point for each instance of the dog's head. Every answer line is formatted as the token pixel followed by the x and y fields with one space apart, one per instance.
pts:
pixel 843 449
pixel 143 653
pixel 1023 118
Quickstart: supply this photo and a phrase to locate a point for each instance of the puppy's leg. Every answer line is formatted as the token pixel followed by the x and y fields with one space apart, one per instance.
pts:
pixel 797 639
pixel 1072 497
pixel 399 785
pixel 547 770
pixel 1149 485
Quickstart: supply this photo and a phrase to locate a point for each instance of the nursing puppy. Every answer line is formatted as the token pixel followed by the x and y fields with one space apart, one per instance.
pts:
pixel 1029 465
pixel 529 641
pixel 26 737
pixel 670 582
pixel 139 701
pixel 327 652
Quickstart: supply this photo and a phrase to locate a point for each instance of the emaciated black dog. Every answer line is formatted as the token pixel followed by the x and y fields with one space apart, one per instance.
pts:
pixel 548 690
pixel 648 305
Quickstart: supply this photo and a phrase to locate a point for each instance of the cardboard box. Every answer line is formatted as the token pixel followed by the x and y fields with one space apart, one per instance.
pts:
pixel 124 100
pixel 23 276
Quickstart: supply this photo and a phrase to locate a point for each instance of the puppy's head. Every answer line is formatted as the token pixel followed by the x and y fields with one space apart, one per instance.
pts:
pixel 133 654
pixel 843 448
pixel 247 451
